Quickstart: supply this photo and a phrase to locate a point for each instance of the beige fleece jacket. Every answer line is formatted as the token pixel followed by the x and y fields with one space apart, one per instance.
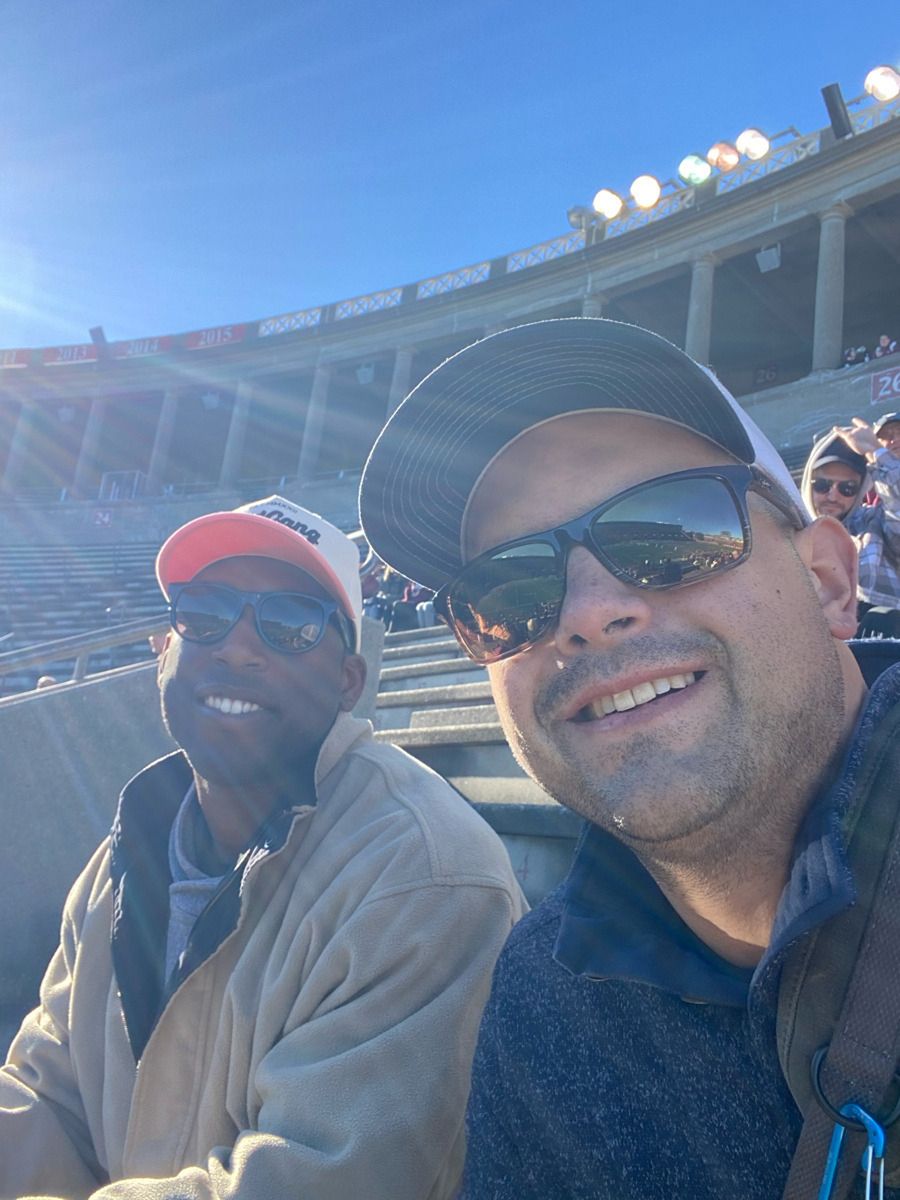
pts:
pixel 322 1052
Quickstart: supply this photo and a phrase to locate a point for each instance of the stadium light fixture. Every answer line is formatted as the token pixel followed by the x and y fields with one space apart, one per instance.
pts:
pixel 753 144
pixel 723 156
pixel 645 191
pixel 591 225
pixel 883 83
pixel 694 170
pixel 607 204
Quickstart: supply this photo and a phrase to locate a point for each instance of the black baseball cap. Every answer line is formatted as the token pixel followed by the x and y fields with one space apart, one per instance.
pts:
pixel 426 461
pixel 837 450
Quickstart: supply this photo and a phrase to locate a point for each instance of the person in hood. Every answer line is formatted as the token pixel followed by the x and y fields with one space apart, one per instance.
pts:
pixel 845 466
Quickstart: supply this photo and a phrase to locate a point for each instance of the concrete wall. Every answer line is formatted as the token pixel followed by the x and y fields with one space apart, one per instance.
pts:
pixel 67 753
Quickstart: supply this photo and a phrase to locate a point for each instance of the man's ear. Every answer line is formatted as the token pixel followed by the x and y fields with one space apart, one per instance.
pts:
pixel 353 680
pixel 163 655
pixel 829 554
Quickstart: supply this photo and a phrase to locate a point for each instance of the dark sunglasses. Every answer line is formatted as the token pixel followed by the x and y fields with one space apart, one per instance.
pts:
pixel 289 622
pixel 668 532
pixel 846 487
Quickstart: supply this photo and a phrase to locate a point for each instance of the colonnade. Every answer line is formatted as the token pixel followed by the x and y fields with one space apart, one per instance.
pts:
pixel 826 354
pixel 26 430
pixel 829 302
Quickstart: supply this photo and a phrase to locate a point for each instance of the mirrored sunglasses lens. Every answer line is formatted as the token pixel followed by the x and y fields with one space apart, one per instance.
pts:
pixel 204 613
pixel 508 601
pixel 291 623
pixel 845 487
pixel 671 533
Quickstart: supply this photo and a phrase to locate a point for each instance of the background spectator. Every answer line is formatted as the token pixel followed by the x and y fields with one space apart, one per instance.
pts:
pixel 839 472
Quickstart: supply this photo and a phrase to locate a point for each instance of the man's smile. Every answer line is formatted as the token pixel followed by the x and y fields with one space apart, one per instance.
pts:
pixel 231 701
pixel 635 697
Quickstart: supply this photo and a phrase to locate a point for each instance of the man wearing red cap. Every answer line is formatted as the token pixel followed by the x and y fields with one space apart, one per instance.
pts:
pixel 270 974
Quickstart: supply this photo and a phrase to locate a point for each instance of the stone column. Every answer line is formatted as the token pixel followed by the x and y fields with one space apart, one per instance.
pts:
pixel 403 360
pixel 699 317
pixel 88 457
pixel 162 441
pixel 20 447
pixel 237 433
pixel 315 421
pixel 828 328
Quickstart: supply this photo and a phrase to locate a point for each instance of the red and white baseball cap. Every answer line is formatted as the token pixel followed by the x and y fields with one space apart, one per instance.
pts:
pixel 270 528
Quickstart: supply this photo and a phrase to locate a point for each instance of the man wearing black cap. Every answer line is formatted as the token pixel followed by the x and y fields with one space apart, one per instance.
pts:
pixel 665 633
pixel 270 975
pixel 842 467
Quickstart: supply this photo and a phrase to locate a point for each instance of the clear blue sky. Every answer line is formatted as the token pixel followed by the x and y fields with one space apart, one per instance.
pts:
pixel 171 165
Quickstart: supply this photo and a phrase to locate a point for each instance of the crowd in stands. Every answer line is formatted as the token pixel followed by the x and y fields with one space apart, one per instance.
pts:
pixel 854 355
pixel 398 602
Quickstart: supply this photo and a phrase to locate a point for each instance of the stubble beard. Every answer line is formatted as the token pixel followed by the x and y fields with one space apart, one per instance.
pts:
pixel 738 791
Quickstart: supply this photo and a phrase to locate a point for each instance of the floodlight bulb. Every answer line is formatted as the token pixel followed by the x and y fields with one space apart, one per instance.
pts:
pixel 645 191
pixel 607 204
pixel 694 170
pixel 883 83
pixel 752 144
pixel 723 156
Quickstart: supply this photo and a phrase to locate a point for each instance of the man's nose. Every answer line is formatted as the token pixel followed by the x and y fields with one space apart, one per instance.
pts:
pixel 598 608
pixel 242 647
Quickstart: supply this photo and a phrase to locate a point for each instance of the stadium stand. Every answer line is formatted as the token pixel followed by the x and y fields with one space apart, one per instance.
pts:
pixel 765 272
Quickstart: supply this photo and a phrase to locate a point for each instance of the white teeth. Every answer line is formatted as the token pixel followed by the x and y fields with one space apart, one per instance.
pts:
pixel 643 692
pixel 230 707
pixel 640 694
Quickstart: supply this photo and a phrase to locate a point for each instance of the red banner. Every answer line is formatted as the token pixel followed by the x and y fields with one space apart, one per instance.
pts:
pixel 141 347
pixel 14 358
pixel 61 356
pixel 886 386
pixel 206 339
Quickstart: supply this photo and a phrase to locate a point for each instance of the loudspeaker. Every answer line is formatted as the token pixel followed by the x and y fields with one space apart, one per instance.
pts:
pixel 837 111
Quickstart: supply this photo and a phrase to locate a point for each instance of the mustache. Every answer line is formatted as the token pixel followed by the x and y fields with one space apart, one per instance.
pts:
pixel 643 653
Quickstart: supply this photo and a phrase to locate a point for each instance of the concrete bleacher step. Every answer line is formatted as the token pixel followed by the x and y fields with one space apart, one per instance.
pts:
pixel 475 759
pixel 421 650
pixel 436 718
pixel 429 633
pixel 393 710
pixel 439 673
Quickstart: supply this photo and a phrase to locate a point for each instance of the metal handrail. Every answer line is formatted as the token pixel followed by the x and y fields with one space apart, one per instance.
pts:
pixel 81 646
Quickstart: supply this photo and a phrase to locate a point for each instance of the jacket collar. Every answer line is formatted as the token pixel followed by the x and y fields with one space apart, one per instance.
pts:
pixel 140 877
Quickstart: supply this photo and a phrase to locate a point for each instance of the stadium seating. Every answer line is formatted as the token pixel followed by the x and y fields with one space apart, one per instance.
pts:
pixel 55 591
